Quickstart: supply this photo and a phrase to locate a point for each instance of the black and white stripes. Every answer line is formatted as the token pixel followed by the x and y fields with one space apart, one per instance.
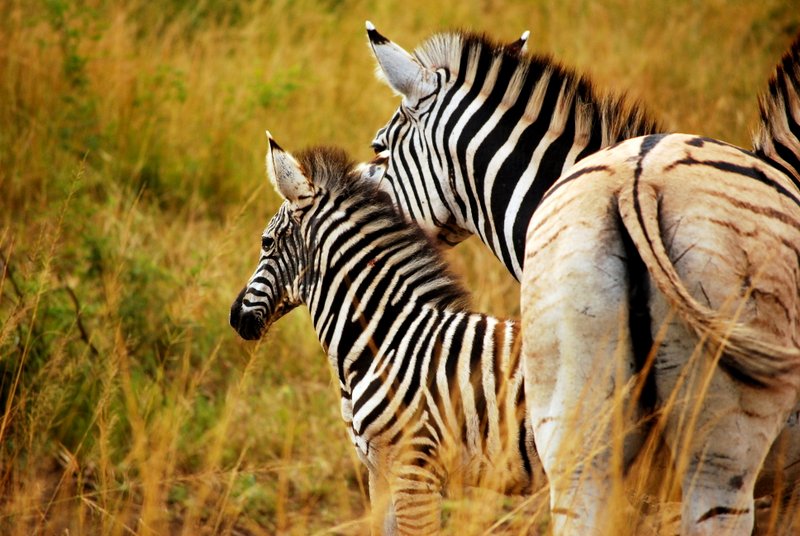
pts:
pixel 484 133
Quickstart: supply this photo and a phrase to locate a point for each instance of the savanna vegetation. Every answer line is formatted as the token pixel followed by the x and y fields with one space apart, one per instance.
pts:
pixel 132 196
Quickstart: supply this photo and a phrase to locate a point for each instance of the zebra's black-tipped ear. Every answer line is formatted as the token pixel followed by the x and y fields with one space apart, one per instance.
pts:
pixel 520 47
pixel 286 174
pixel 374 170
pixel 398 68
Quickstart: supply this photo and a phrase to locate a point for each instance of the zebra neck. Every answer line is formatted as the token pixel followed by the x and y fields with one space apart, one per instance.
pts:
pixel 364 302
pixel 361 344
pixel 504 152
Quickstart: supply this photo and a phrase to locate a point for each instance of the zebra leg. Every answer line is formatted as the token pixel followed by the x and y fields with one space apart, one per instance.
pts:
pixel 719 431
pixel 578 356
pixel 383 520
pixel 416 498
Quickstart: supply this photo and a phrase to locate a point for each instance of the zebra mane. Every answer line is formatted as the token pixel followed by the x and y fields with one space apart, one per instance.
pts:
pixel 777 138
pixel 619 117
pixel 332 170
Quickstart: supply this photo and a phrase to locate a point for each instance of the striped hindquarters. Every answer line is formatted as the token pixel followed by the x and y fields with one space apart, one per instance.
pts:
pixel 707 214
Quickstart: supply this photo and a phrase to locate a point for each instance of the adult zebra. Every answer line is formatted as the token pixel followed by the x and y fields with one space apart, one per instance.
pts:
pixel 429 391
pixel 478 139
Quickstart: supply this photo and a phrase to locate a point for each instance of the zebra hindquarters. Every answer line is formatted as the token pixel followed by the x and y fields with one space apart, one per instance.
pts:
pixel 579 356
pixel 720 233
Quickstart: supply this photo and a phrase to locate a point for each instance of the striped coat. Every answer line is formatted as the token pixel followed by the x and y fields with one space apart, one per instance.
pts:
pixel 430 392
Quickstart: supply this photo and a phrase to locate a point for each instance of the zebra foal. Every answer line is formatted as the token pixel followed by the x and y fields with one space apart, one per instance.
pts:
pixel 429 391
pixel 669 260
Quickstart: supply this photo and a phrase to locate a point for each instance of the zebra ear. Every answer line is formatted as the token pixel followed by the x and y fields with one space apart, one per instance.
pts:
pixel 287 175
pixel 402 72
pixel 519 47
pixel 375 169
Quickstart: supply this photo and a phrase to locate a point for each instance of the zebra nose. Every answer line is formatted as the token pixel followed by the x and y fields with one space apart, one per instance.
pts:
pixel 249 326
pixel 235 316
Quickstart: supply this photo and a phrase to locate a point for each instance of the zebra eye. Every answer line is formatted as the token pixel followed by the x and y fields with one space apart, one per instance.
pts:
pixel 378 147
pixel 267 242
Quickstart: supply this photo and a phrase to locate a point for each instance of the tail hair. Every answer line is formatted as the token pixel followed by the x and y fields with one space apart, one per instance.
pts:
pixel 777 138
pixel 745 352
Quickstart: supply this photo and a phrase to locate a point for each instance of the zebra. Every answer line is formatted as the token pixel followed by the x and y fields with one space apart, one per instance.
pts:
pixel 476 146
pixel 430 392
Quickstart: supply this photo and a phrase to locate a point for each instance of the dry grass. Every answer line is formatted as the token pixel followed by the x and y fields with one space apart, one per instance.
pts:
pixel 131 150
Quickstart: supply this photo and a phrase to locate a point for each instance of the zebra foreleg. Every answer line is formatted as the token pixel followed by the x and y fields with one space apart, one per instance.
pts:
pixel 383 519
pixel 416 499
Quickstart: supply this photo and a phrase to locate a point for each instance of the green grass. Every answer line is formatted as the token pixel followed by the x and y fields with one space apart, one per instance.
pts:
pixel 132 195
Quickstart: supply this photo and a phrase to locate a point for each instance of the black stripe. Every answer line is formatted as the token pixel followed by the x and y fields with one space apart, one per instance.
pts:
pixel 388 266
pixel 777 165
pixel 523 446
pixel 647 145
pixel 425 331
pixel 483 154
pixel 451 371
pixel 790 157
pixel 377 383
pixel 515 165
pixel 751 172
pixel 469 131
pixel 639 319
pixel 450 121
pixel 576 175
pixel 428 128
pixel 548 172
pixel 723 511
pixel 476 379
pixel 437 363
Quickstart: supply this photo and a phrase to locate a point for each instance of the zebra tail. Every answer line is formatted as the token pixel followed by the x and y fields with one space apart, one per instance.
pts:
pixel 746 354
pixel 777 138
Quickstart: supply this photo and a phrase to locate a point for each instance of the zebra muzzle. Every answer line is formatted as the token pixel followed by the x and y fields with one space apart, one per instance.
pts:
pixel 248 324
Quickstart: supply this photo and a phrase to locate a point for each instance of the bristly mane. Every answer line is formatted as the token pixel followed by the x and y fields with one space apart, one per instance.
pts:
pixel 331 169
pixel 777 138
pixel 455 51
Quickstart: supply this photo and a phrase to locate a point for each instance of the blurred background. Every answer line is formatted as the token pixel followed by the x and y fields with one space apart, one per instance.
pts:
pixel 132 197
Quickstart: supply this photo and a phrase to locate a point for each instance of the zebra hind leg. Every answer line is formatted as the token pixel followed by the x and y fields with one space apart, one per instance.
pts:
pixel 723 455
pixel 578 359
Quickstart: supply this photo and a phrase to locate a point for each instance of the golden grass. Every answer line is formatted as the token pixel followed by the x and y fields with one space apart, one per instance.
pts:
pixel 133 194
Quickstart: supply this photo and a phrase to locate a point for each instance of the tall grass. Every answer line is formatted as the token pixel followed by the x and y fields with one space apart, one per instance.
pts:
pixel 132 195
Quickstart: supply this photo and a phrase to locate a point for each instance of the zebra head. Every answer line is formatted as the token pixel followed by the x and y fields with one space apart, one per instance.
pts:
pixel 421 178
pixel 273 290
pixel 277 285
pixel 404 139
